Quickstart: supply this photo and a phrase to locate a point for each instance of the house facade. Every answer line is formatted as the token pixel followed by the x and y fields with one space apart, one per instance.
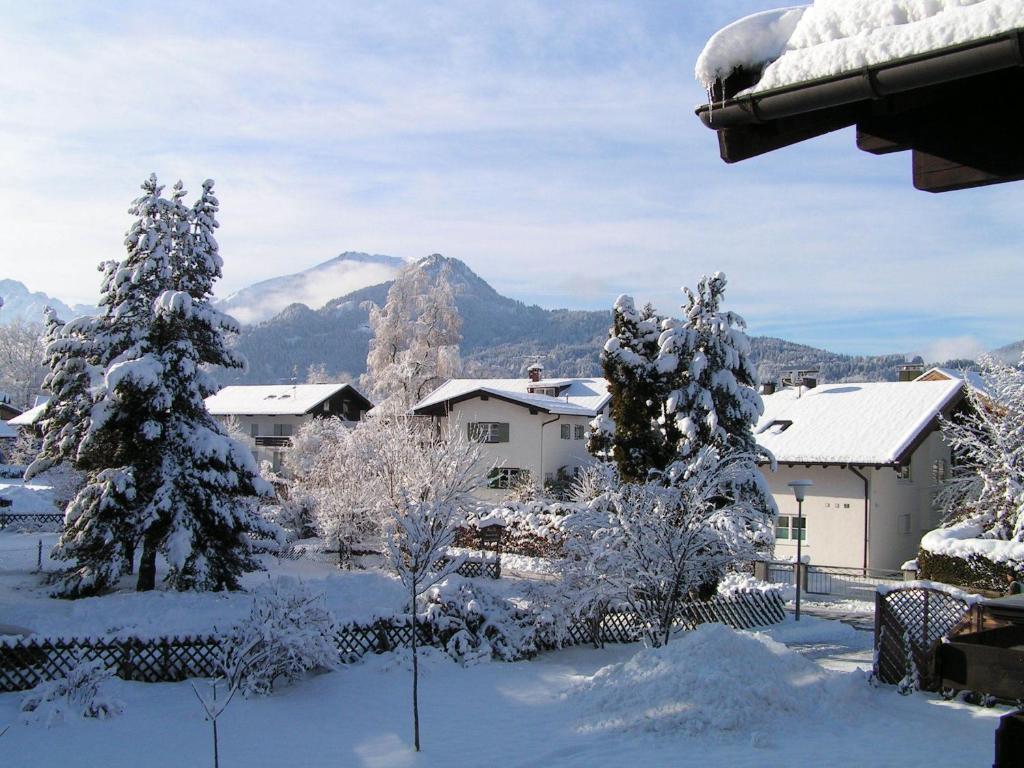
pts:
pixel 532 430
pixel 875 455
pixel 268 415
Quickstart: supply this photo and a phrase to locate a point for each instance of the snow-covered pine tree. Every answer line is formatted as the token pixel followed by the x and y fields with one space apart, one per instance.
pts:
pixel 120 445
pixel 712 387
pixel 161 471
pixel 643 438
pixel 416 335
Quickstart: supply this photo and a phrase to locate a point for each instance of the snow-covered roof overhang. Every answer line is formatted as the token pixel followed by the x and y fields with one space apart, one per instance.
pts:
pixel 580 397
pixel 29 417
pixel 871 424
pixel 277 399
pixel 941 79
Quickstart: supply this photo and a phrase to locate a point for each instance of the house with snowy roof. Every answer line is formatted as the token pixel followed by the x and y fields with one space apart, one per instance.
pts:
pixel 29 420
pixel 270 414
pixel 941 80
pixel 875 454
pixel 532 429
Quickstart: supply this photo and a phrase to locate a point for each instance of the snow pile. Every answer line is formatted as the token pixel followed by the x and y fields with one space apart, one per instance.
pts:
pixel 965 540
pixel 715 680
pixel 735 582
pixel 830 37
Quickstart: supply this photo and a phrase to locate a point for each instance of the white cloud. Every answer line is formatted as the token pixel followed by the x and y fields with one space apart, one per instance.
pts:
pixel 954 348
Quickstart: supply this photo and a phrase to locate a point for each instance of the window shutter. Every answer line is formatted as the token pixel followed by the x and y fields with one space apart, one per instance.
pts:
pixel 501 433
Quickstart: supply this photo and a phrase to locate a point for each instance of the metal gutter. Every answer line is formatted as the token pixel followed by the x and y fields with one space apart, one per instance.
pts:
pixel 867 497
pixel 977 57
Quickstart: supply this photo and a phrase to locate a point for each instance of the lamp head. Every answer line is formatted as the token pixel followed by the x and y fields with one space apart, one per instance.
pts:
pixel 800 488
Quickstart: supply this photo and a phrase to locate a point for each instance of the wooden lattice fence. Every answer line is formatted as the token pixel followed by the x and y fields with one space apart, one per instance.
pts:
pixel 910 622
pixel 34 520
pixel 24 662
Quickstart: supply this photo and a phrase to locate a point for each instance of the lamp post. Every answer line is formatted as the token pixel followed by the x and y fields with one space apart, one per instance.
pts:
pixel 799 490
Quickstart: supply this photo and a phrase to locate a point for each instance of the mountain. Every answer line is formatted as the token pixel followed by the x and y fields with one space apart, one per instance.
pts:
pixel 313 287
pixel 22 304
pixel 501 337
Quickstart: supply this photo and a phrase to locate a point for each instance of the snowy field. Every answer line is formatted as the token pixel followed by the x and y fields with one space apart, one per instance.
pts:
pixel 714 697
pixel 798 691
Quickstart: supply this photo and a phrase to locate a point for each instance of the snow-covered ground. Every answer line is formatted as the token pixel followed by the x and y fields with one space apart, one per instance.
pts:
pixel 713 697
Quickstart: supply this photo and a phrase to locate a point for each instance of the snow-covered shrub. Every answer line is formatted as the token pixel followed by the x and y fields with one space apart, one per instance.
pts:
pixel 289 632
pixel 474 624
pixel 66 482
pixel 80 694
pixel 293 515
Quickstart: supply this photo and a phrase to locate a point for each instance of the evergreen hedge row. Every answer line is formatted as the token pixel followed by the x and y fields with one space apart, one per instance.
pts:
pixel 972 572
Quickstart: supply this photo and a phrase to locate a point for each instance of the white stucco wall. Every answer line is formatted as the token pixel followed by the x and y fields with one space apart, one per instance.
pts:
pixel 525 448
pixel 834 510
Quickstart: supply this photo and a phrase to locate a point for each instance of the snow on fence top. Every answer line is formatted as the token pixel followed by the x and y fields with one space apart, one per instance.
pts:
pixel 831 37
pixel 577 397
pixel 276 399
pixel 851 423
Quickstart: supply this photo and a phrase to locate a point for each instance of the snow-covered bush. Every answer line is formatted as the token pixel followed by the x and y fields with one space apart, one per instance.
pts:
pixel 293 515
pixel 650 546
pixel 474 624
pixel 289 632
pixel 80 694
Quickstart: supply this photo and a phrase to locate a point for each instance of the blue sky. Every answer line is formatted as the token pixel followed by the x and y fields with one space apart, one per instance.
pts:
pixel 551 146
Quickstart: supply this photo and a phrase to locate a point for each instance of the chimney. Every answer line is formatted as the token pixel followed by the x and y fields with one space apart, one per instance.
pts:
pixel 535 371
pixel 910 371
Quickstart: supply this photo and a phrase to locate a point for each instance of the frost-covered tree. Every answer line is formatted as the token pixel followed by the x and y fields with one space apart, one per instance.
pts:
pixel 416 335
pixel 712 388
pixel 643 438
pixel 987 441
pixel 161 472
pixel 426 506
pixel 649 546
pixel 22 361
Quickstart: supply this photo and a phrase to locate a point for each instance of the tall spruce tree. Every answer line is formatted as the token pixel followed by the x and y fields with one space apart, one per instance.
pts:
pixel 161 471
pixel 643 439
pixel 712 387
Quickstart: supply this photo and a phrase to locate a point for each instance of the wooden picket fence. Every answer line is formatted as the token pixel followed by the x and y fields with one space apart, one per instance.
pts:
pixel 25 662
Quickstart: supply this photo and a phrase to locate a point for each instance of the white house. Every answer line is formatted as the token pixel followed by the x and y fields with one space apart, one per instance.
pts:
pixel 875 456
pixel 531 428
pixel 270 414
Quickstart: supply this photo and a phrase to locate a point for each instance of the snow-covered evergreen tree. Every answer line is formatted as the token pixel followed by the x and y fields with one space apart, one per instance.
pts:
pixel 161 471
pixel 987 440
pixel 416 335
pixel 712 387
pixel 643 439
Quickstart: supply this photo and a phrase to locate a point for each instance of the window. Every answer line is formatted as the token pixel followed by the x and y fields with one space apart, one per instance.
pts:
pixel 507 477
pixel 939 470
pixel 566 431
pixel 579 431
pixel 904 523
pixel 282 430
pixel 549 391
pixel 276 461
pixel 791 527
pixel 254 430
pixel 488 431
pixel 903 471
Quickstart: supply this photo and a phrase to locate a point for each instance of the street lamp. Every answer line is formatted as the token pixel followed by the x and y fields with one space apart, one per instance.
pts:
pixel 799 490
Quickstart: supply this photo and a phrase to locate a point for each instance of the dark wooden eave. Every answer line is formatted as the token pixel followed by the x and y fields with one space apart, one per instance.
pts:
pixel 958 110
pixel 443 407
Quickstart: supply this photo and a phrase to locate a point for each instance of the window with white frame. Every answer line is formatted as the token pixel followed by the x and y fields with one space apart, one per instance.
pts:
pixel 488 431
pixel 507 477
pixel 903 471
pixel 578 431
pixel 940 470
pixel 283 430
pixel 566 431
pixel 791 527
